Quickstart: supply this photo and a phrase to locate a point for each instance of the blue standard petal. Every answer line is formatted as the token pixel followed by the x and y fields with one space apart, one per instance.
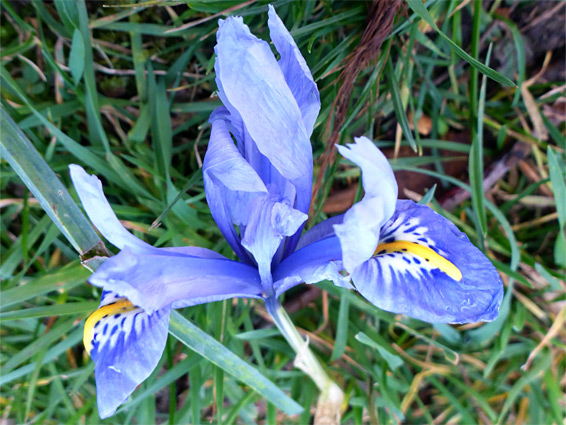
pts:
pixel 230 184
pixel 252 86
pixel 426 268
pixel 359 231
pixel 297 74
pixel 271 220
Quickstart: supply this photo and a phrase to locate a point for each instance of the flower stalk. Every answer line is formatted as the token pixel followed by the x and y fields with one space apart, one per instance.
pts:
pixel 329 406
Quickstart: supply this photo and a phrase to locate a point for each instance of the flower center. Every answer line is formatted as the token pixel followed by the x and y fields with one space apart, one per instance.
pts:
pixel 102 313
pixel 427 254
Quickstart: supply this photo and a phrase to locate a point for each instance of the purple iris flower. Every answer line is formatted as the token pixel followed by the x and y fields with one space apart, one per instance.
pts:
pixel 401 256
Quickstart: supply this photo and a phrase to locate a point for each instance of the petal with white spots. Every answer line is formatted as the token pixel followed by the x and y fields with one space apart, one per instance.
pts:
pixel 426 268
pixel 126 344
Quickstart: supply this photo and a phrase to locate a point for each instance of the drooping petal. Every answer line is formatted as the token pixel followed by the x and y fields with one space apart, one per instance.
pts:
pixel 426 268
pixel 359 231
pixel 154 282
pixel 89 189
pixel 126 344
pixel 252 86
pixel 297 74
pixel 230 184
pixel 317 261
pixel 271 220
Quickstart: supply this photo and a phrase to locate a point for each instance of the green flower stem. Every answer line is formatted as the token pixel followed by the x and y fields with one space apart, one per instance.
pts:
pixel 330 401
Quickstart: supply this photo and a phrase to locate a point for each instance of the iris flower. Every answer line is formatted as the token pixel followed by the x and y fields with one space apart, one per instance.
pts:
pixel 401 256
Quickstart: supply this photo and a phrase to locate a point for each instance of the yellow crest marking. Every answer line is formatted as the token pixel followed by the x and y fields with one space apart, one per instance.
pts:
pixel 98 315
pixel 424 252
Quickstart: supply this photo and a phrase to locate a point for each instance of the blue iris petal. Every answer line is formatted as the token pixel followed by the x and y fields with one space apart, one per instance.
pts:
pixel 271 220
pixel 402 282
pixel 253 88
pixel 127 354
pixel 153 282
pixel 268 106
pixel 322 230
pixel 230 184
pixel 295 69
pixel 359 232
pixel 89 189
pixel 320 260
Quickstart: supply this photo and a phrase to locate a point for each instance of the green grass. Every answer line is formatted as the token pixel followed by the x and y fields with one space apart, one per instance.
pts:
pixel 110 89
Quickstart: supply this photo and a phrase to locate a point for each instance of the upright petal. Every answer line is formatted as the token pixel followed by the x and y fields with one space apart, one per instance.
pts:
pixel 359 232
pixel 126 344
pixel 89 189
pixel 295 69
pixel 154 282
pixel 426 268
pixel 230 184
pixel 317 261
pixel 252 86
pixel 271 220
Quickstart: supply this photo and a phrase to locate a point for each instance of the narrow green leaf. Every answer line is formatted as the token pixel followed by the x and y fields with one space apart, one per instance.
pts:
pixel 467 416
pixel 419 8
pixel 77 56
pixel 555 394
pixel 208 347
pixel 428 196
pixel 160 124
pixel 219 389
pixel 533 374
pixel 195 383
pixel 341 329
pixel 33 379
pixel 50 310
pixel 559 190
pixel 450 354
pixel 398 104
pixel 66 278
pixel 71 340
pixel 45 186
pixel 139 58
pixel 393 360
pixel 552 281
pixel 475 162
pixel 40 343
pixel 520 50
pixel 448 333
pixel 12 257
pixel 429 44
pixel 80 152
pixel 92 106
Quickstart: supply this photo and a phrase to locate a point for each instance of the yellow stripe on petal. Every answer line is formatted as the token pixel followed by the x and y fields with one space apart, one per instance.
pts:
pixel 100 314
pixel 427 254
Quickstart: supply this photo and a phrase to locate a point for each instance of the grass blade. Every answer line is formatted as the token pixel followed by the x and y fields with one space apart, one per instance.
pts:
pixel 559 189
pixel 218 354
pixel 398 105
pixel 45 186
pixel 475 162
pixel 67 278
pixel 419 8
